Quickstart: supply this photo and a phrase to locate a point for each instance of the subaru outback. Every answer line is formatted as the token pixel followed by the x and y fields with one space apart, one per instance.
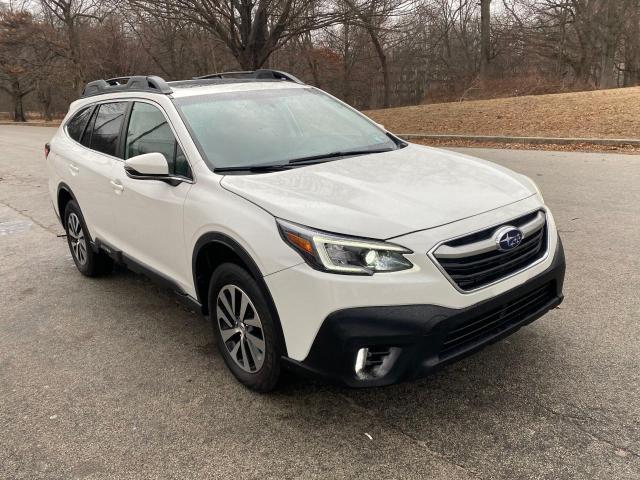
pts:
pixel 313 238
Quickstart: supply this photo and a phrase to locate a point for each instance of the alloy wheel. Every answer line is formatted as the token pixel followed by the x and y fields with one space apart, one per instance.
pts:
pixel 77 239
pixel 240 328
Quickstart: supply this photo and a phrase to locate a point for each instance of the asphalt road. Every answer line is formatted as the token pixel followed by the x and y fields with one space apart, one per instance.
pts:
pixel 111 378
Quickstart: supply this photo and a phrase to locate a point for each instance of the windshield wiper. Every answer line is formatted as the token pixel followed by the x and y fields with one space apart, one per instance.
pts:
pixel 277 167
pixel 274 167
pixel 339 154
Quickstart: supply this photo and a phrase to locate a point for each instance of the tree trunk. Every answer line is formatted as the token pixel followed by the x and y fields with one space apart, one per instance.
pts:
pixel 383 65
pixel 18 106
pixel 485 39
pixel 18 110
pixel 608 70
pixel 632 47
pixel 254 47
pixel 346 70
pixel 73 38
pixel 367 19
pixel 306 48
pixel 44 95
pixel 609 44
pixel 313 66
pixel 607 64
pixel 252 57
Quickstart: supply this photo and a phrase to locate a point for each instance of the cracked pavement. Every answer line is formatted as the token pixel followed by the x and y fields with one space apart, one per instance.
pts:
pixel 112 378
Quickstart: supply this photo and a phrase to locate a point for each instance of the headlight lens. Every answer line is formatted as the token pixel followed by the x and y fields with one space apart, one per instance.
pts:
pixel 333 253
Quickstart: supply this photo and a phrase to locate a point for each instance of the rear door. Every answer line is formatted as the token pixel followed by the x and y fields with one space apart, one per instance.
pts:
pixel 149 213
pixel 88 166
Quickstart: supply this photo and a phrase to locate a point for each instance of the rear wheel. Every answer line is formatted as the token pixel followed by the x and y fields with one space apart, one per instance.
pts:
pixel 244 327
pixel 88 262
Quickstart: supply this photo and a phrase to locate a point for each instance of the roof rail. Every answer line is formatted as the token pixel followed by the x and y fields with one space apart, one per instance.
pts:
pixel 138 83
pixel 262 74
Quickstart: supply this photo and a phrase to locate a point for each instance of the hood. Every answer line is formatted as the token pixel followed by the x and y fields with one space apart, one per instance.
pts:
pixel 384 195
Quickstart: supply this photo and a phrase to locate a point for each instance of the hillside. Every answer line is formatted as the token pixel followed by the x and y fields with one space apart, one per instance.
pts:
pixel 595 114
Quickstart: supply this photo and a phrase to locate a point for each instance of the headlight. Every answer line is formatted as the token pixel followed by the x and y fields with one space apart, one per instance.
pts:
pixel 333 253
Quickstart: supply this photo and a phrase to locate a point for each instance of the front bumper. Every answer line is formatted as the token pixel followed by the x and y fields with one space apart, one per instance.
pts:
pixel 428 337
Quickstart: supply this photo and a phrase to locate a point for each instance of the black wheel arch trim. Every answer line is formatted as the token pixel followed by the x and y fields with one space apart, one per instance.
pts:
pixel 63 186
pixel 254 270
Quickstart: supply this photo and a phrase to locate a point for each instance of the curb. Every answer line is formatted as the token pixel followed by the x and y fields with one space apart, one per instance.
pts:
pixel 524 140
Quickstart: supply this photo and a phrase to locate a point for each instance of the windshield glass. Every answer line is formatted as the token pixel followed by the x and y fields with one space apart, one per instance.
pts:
pixel 261 127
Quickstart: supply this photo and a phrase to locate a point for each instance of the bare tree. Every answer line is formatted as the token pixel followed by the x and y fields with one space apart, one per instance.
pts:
pixel 17 65
pixel 373 15
pixel 368 52
pixel 73 16
pixel 611 23
pixel 177 47
pixel 251 29
pixel 345 41
pixel 304 43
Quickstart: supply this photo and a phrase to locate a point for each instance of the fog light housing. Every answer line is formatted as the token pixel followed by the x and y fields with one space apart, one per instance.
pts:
pixel 375 361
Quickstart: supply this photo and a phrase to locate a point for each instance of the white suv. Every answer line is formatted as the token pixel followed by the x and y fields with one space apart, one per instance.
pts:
pixel 312 237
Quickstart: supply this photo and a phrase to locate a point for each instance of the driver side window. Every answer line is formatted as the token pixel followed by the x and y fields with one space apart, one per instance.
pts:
pixel 148 132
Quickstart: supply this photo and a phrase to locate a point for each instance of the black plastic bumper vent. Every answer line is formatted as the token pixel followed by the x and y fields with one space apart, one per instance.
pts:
pixel 476 330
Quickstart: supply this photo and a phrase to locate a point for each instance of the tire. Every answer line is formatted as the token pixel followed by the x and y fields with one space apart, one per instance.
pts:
pixel 88 262
pixel 248 341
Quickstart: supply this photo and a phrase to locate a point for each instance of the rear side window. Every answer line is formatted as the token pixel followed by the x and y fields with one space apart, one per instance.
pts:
pixel 86 138
pixel 77 124
pixel 106 127
pixel 149 132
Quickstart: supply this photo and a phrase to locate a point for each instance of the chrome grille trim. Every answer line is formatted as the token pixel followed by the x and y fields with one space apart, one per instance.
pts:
pixel 484 246
pixel 533 229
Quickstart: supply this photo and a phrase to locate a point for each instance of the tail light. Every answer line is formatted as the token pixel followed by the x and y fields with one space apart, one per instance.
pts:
pixel 47 149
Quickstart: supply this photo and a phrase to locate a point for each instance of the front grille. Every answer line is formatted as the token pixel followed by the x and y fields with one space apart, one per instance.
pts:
pixel 474 261
pixel 495 321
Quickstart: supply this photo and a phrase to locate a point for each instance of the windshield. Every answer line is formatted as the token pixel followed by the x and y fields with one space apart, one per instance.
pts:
pixel 262 127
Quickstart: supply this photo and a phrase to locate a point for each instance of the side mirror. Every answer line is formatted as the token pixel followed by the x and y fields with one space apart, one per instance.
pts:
pixel 147 165
pixel 151 166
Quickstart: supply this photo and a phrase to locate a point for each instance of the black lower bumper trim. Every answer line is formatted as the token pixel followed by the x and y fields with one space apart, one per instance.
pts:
pixel 428 336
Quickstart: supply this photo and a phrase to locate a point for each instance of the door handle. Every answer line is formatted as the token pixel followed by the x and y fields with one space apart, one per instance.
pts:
pixel 73 169
pixel 117 186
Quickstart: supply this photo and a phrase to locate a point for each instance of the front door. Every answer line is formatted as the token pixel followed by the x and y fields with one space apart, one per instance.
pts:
pixel 149 213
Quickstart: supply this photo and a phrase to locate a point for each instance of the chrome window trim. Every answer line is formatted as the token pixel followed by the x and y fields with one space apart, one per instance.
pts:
pixel 432 257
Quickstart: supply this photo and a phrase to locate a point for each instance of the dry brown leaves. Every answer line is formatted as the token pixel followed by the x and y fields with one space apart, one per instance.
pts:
pixel 596 114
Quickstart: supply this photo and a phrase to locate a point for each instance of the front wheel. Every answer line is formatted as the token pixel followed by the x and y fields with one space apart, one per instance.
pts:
pixel 244 328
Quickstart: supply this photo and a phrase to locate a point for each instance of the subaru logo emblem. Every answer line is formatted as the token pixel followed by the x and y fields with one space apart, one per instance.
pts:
pixel 507 238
